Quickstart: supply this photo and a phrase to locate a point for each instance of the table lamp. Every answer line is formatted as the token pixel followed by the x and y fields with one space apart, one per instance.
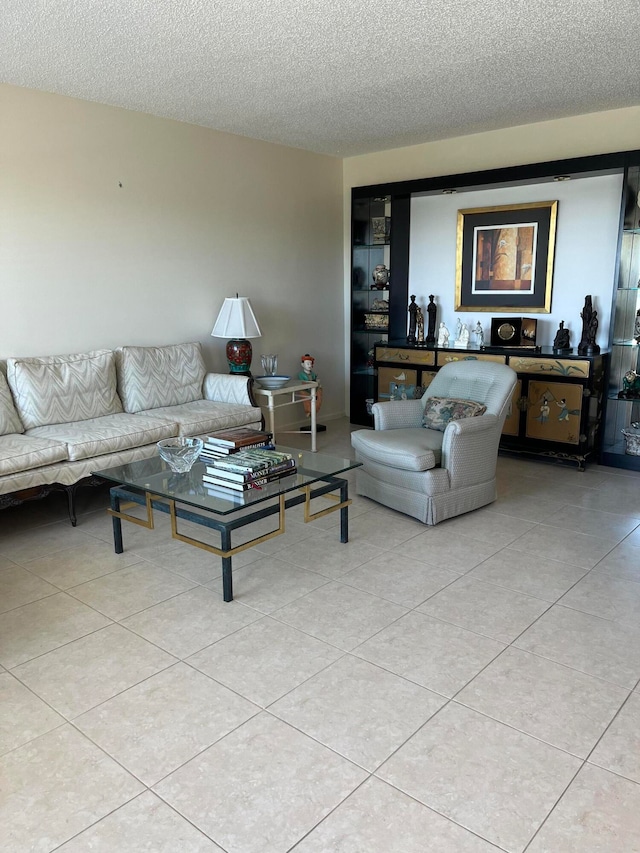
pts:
pixel 237 321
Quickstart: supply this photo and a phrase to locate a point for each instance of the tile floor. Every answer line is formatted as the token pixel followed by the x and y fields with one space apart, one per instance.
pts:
pixel 461 689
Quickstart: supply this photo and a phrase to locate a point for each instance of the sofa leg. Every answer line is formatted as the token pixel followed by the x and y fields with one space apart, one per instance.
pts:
pixel 71 503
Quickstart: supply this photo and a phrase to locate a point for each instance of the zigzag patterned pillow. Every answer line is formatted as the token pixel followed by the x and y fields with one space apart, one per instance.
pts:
pixel 153 377
pixel 9 419
pixel 59 389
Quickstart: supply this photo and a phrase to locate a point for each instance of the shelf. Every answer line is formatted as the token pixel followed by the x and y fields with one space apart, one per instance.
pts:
pixel 628 342
pixel 613 395
pixel 631 230
pixel 369 290
pixel 357 246
pixel 364 371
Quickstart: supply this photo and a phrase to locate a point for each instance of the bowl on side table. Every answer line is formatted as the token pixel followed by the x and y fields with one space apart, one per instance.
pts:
pixel 180 453
pixel 272 383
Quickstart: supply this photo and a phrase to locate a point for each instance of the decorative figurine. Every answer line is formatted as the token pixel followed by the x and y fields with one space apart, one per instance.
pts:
pixel 420 325
pixel 636 327
pixel 462 339
pixel 562 340
pixel 380 278
pixel 443 336
pixel 413 319
pixel 431 322
pixel 630 386
pixel 479 333
pixel 308 374
pixel 588 345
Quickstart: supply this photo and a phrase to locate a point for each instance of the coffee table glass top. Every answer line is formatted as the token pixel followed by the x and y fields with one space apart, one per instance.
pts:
pixel 154 475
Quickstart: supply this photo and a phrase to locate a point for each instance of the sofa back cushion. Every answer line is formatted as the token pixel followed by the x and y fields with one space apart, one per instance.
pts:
pixel 152 377
pixel 59 389
pixel 9 419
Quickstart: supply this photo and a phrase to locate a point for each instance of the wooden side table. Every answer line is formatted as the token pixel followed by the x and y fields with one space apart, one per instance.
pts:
pixel 286 397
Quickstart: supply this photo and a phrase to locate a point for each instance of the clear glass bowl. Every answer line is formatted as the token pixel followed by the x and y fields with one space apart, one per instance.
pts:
pixel 180 453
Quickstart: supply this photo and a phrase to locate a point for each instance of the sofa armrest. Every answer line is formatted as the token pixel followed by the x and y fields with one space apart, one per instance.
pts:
pixel 227 388
pixel 470 450
pixel 397 414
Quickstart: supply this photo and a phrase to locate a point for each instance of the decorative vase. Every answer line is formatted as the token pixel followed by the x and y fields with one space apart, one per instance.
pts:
pixel 239 355
pixel 380 277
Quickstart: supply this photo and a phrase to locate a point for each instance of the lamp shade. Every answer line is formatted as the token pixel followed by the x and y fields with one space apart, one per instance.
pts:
pixel 236 320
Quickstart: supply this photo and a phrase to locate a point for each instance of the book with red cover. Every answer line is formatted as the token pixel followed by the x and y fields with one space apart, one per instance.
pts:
pixel 239 437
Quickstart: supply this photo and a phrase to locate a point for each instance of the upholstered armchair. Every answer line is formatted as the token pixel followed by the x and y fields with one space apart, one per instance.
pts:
pixel 449 467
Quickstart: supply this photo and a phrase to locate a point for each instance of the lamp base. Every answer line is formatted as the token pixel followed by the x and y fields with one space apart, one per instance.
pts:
pixel 239 355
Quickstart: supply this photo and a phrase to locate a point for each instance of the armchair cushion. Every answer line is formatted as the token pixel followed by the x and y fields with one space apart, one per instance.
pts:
pixel 438 411
pixel 411 449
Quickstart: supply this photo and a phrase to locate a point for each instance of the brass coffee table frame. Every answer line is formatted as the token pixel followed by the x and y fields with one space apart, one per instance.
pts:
pixel 123 497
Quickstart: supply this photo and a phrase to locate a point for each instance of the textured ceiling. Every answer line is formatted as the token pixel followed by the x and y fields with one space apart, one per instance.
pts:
pixel 341 77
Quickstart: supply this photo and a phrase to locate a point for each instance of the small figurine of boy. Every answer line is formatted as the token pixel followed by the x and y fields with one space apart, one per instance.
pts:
pixel 308 374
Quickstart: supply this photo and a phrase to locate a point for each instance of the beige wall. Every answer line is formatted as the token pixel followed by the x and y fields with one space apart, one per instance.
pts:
pixel 87 263
pixel 595 133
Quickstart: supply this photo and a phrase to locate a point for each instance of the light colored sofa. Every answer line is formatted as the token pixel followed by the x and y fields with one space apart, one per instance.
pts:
pixel 63 417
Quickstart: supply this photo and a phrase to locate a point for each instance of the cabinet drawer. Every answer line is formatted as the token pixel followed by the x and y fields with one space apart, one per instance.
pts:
pixel 398 355
pixel 447 357
pixel 550 366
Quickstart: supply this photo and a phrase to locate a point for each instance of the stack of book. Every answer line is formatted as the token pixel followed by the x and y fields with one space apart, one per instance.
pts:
pixel 249 469
pixel 226 442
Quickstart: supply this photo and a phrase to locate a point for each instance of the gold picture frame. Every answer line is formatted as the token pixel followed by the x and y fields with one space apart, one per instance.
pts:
pixel 504 257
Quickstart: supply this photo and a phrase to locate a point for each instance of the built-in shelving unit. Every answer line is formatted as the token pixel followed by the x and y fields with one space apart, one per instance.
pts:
pixel 623 402
pixel 393 200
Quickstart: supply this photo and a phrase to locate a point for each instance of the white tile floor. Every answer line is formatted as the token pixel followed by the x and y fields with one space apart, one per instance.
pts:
pixel 467 688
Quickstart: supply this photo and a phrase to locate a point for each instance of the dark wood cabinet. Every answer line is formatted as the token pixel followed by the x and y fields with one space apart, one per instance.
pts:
pixel 556 409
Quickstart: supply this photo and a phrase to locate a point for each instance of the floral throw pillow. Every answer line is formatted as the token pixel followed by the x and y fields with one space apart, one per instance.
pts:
pixel 438 411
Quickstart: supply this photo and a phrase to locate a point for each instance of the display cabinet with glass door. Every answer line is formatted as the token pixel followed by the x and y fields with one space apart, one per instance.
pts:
pixel 370 282
pixel 621 440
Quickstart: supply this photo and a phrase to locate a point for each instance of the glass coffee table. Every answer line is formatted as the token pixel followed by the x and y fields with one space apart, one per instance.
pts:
pixel 151 483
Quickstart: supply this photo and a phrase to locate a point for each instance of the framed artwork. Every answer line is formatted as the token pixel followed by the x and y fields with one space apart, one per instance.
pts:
pixel 504 257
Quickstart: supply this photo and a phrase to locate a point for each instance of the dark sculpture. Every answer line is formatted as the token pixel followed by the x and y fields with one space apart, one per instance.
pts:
pixel 413 319
pixel 588 345
pixel 431 321
pixel 562 340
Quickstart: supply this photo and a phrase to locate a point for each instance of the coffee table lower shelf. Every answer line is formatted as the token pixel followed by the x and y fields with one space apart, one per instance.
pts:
pixel 123 497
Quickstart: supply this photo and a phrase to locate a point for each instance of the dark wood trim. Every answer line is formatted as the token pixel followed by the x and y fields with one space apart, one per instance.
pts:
pixel 596 164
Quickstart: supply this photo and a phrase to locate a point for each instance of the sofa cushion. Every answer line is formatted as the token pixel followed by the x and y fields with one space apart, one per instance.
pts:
pixel 438 411
pixel 62 388
pixel 204 416
pixel 110 434
pixel 411 449
pixel 9 419
pixel 151 377
pixel 23 453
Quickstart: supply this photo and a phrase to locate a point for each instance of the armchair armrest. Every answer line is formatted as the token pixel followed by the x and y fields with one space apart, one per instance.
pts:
pixel 397 414
pixel 470 449
pixel 227 388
